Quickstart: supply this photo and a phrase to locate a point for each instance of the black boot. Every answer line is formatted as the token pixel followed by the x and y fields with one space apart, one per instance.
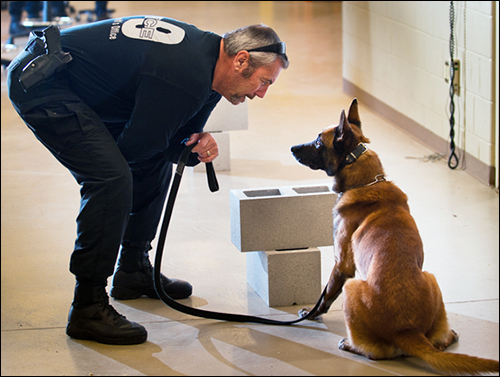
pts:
pixel 133 277
pixel 92 318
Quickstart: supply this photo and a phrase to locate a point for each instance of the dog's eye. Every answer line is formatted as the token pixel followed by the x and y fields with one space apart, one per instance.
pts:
pixel 318 144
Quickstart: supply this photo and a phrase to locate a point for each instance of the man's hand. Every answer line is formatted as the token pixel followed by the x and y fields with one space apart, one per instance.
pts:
pixel 206 147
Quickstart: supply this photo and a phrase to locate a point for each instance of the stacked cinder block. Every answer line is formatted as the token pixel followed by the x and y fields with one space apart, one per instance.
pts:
pixel 224 118
pixel 284 278
pixel 280 229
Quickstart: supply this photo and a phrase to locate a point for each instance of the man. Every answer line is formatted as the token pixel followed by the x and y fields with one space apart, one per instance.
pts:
pixel 132 89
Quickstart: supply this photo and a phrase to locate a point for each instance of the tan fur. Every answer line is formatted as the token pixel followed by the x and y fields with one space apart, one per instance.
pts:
pixel 393 308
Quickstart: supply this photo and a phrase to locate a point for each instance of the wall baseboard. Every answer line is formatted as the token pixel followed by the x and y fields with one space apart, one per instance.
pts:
pixel 476 168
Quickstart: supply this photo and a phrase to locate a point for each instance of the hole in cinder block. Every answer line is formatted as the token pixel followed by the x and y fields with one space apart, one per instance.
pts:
pixel 258 193
pixel 310 190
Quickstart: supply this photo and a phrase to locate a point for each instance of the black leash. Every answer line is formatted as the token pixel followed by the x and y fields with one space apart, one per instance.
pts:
pixel 212 182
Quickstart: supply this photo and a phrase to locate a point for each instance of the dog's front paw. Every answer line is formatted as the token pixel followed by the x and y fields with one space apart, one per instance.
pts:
pixel 344 345
pixel 304 312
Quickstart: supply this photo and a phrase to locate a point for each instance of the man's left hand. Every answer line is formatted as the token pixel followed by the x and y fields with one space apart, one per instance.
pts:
pixel 206 146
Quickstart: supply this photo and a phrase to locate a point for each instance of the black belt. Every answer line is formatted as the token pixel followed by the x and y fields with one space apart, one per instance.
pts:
pixel 212 181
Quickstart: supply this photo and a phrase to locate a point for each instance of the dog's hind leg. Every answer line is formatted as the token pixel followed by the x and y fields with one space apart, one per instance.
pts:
pixel 440 334
pixel 363 338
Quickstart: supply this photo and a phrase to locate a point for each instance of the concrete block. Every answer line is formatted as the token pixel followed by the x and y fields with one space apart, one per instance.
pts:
pixel 284 278
pixel 223 161
pixel 282 218
pixel 226 117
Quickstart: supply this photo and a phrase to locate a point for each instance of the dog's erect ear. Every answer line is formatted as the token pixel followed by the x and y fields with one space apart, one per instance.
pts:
pixel 344 130
pixel 353 115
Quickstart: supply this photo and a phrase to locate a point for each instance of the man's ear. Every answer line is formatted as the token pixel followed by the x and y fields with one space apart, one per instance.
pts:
pixel 241 60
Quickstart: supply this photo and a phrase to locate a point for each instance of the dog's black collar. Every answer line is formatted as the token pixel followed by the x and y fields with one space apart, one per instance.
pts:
pixel 354 155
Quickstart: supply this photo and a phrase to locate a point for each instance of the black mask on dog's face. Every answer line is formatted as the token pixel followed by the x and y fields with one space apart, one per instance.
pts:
pixel 310 154
pixel 316 155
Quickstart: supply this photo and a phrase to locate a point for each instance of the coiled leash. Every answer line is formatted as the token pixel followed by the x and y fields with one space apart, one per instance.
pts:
pixel 214 186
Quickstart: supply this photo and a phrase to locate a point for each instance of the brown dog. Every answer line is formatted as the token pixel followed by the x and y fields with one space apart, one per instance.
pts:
pixel 393 308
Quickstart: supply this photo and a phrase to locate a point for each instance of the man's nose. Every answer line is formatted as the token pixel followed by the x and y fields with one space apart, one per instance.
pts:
pixel 262 91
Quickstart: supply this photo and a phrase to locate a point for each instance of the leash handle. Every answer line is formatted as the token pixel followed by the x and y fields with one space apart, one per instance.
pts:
pixel 159 253
pixel 209 166
pixel 211 177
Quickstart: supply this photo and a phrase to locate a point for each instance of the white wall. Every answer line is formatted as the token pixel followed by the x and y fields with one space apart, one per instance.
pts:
pixel 395 51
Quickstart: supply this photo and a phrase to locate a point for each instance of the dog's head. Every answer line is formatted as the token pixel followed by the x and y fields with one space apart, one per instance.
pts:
pixel 330 150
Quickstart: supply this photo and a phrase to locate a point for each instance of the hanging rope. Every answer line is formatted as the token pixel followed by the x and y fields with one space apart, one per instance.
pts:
pixel 453 155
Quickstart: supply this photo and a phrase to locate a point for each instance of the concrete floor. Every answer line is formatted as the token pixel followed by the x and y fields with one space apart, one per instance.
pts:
pixel 457 217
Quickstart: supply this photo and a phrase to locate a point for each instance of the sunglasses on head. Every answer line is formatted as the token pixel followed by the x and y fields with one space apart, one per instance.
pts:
pixel 277 48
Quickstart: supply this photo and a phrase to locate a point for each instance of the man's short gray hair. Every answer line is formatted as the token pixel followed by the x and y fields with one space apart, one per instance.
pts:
pixel 250 37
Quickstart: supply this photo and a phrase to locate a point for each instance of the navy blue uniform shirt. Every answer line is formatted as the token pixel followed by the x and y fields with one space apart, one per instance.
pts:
pixel 148 78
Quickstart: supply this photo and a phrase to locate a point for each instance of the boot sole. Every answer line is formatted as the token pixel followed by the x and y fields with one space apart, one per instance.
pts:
pixel 77 333
pixel 128 294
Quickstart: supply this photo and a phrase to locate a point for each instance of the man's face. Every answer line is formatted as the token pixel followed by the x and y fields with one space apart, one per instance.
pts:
pixel 244 85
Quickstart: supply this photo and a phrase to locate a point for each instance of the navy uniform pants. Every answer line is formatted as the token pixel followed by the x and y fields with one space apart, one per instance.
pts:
pixel 120 202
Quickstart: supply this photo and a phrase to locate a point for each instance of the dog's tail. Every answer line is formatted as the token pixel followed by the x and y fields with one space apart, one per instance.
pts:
pixel 416 344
